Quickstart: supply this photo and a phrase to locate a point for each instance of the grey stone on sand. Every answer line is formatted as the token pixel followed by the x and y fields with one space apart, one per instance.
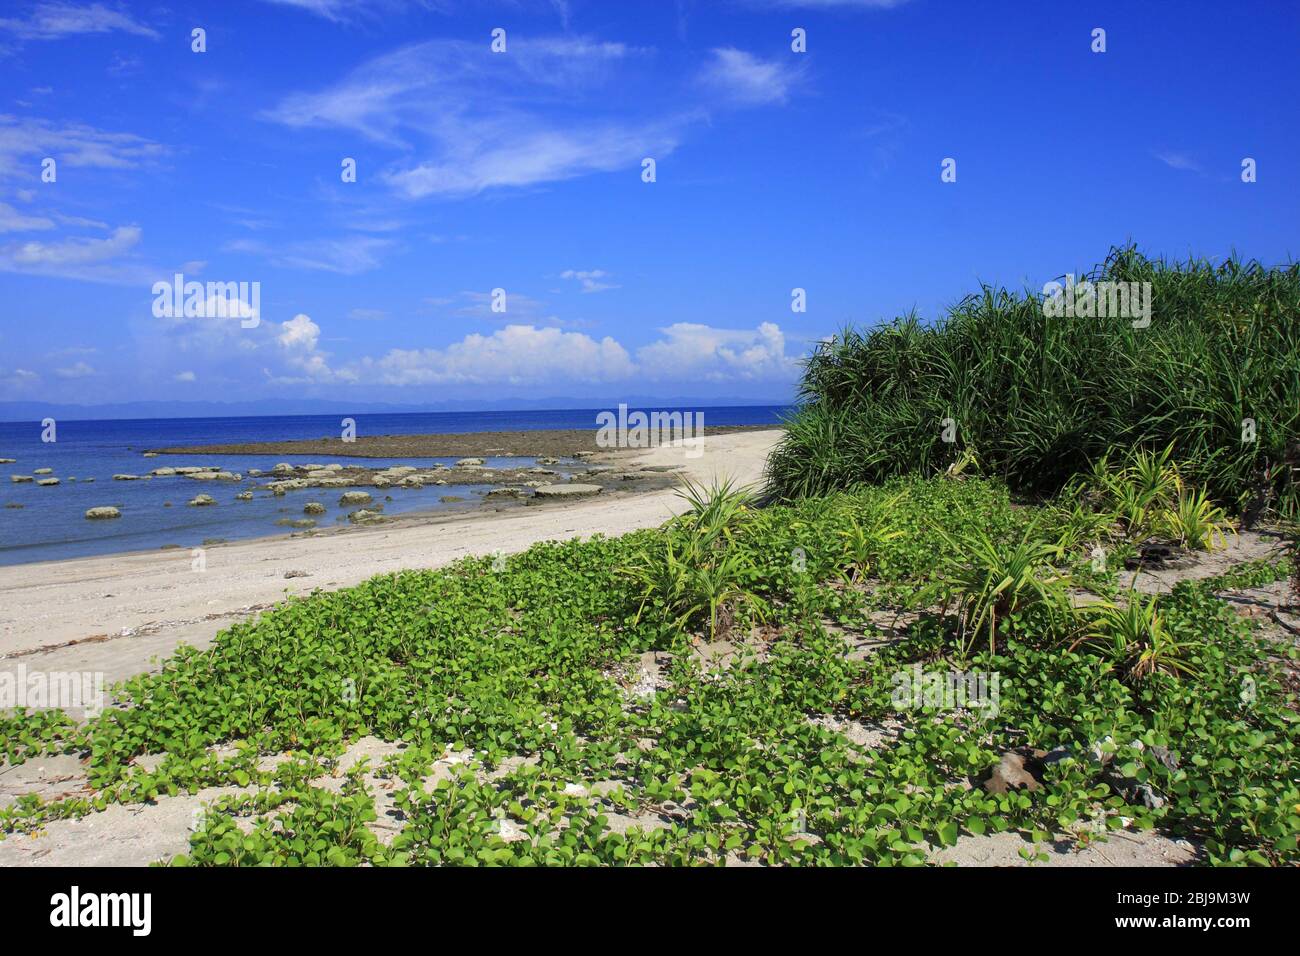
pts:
pixel 567 491
pixel 102 512
pixel 365 517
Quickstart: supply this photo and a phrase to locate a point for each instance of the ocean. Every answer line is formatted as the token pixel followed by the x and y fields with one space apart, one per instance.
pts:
pixel 48 523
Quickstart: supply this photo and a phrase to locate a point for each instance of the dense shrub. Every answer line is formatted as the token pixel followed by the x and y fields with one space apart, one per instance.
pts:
pixel 1037 399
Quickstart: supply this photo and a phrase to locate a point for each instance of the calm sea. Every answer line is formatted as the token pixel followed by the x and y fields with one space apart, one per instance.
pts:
pixel 51 523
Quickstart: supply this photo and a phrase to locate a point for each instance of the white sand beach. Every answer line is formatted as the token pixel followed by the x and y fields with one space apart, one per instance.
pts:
pixel 120 614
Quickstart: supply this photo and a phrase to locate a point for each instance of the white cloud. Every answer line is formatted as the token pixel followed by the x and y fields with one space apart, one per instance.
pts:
pixel 299 333
pixel 347 255
pixel 186 376
pixel 11 220
pixel 24 142
pixel 522 355
pixel 75 251
pixel 50 21
pixel 79 370
pixel 1179 161
pixel 515 355
pixel 342 11
pixel 591 280
pixel 472 120
pixel 747 80
pixel 829 4
pixel 691 352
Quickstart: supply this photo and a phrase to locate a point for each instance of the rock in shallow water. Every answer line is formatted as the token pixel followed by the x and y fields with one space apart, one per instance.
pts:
pixel 567 491
pixel 199 501
pixel 105 511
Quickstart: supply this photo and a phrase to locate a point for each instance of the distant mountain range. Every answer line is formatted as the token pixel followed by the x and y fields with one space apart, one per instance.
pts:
pixel 35 411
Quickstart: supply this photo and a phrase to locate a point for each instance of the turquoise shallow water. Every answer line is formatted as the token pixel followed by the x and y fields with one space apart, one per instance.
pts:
pixel 51 524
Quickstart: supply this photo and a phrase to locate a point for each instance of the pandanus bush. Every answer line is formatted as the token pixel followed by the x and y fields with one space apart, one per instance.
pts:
pixel 1215 376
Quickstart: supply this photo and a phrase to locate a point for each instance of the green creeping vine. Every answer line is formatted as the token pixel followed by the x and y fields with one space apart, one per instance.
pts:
pixel 525 732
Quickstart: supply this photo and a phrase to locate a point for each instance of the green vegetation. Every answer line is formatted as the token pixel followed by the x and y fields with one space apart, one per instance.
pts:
pixel 535 729
pixel 1035 399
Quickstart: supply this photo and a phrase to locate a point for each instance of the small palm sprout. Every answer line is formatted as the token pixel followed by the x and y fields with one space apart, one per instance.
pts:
pixel 1135 638
pixel 992 579
pixel 1197 523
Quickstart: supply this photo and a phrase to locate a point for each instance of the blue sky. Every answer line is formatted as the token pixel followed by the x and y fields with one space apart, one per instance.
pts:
pixel 522 171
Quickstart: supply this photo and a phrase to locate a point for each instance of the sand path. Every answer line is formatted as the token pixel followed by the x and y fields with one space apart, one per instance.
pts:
pixel 117 614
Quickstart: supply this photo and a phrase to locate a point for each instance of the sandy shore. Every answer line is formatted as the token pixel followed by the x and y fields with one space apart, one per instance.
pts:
pixel 117 614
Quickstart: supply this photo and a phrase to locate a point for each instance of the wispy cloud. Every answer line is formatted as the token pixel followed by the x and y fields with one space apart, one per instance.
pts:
pixel 475 120
pixel 828 4
pixel 593 280
pixel 79 370
pixel 76 257
pixel 344 11
pixel 11 220
pixel 745 79
pixel 1176 160
pixel 25 141
pixel 346 255
pixel 50 21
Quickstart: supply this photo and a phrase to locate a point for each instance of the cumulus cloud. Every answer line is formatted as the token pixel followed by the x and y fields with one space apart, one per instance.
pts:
pixel 690 352
pixel 514 355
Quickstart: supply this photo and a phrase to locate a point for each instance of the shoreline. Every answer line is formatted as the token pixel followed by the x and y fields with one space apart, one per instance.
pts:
pixel 120 614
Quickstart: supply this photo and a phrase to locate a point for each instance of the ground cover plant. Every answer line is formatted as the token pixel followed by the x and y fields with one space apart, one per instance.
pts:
pixel 599 702
pixel 1034 399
